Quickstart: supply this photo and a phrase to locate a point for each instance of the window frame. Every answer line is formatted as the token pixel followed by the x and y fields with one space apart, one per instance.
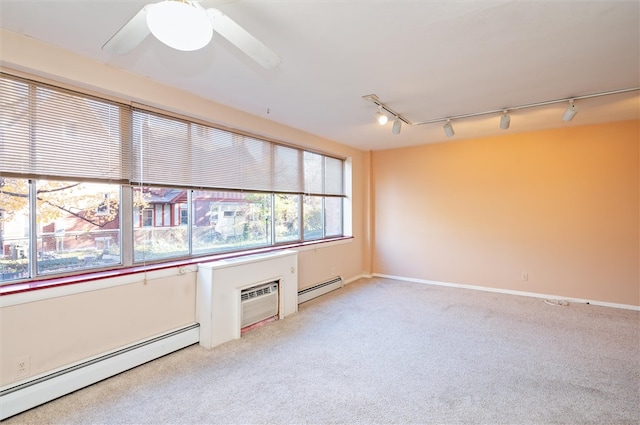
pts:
pixel 132 218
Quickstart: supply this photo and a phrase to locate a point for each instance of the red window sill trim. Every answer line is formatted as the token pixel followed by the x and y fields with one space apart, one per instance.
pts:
pixel 34 285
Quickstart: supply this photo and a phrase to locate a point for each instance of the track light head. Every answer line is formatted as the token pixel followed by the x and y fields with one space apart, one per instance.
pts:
pixel 505 120
pixel 571 111
pixel 381 117
pixel 448 129
pixel 397 126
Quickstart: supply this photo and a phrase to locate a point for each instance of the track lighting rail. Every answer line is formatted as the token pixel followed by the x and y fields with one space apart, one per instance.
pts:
pixel 382 106
pixel 527 106
pixel 373 98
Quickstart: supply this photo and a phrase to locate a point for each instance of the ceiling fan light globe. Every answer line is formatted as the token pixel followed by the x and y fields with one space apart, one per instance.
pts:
pixel 180 25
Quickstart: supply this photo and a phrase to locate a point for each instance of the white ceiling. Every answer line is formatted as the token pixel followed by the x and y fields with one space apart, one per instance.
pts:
pixel 424 59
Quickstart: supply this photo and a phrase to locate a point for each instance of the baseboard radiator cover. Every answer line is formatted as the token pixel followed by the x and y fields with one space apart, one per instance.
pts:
pixel 320 289
pixel 17 398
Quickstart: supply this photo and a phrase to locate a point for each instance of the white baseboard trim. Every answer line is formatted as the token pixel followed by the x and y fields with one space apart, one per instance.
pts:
pixel 357 277
pixel 511 292
pixel 24 395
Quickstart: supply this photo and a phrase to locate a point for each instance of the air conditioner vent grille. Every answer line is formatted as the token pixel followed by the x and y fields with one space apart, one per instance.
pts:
pixel 254 293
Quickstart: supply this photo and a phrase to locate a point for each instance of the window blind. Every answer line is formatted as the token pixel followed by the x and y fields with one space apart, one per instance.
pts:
pixel 333 176
pixel 313 176
pixel 171 151
pixel 288 175
pixel 47 132
pixel 51 133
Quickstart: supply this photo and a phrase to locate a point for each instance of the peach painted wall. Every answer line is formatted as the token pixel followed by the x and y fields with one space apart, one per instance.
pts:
pixel 62 330
pixel 59 330
pixel 560 205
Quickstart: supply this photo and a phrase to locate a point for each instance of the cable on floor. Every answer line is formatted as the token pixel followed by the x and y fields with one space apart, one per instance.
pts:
pixel 559 303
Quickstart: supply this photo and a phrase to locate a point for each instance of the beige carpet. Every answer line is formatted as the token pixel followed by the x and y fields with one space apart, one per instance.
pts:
pixel 383 351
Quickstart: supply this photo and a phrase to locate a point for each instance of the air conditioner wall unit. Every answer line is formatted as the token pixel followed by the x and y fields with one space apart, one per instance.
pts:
pixel 220 284
pixel 258 303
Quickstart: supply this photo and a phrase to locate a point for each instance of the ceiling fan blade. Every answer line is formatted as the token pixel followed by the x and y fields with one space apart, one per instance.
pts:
pixel 244 41
pixel 130 35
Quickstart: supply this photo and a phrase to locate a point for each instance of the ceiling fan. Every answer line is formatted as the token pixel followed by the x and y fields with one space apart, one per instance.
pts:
pixel 186 25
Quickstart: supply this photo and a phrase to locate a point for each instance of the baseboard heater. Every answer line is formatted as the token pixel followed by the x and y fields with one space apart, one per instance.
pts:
pixel 26 395
pixel 320 289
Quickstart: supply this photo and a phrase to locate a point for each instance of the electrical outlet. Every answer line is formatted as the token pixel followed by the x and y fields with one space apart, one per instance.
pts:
pixel 333 271
pixel 23 366
pixel 524 276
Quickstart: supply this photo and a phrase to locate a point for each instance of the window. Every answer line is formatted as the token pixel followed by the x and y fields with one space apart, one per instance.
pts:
pixel 286 218
pixel 72 232
pixel 155 241
pixel 184 216
pixel 147 217
pixel 313 217
pixel 191 189
pixel 14 229
pixel 43 126
pixel 333 216
pixel 228 221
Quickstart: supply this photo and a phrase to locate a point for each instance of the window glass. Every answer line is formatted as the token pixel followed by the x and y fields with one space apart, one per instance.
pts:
pixel 332 216
pixel 151 239
pixel 227 221
pixel 287 173
pixel 249 189
pixel 287 217
pixel 78 226
pixel 334 184
pixel 312 172
pixel 312 217
pixel 14 229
